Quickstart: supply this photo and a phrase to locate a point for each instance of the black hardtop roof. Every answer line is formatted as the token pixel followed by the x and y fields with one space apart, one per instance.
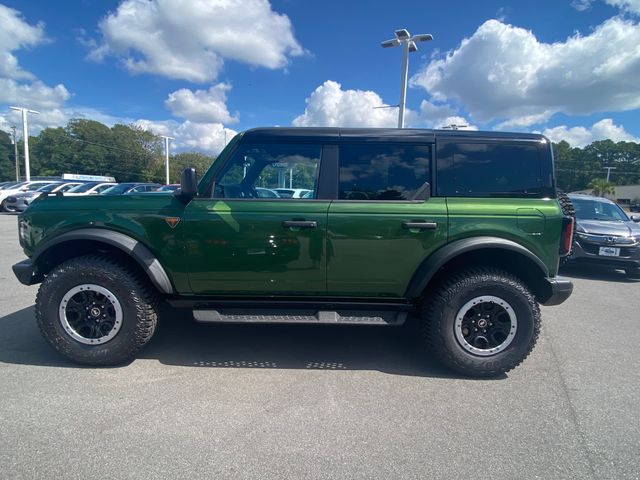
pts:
pixel 383 134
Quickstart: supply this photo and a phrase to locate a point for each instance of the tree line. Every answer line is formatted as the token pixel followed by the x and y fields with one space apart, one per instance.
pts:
pixel 127 152
pixel 131 154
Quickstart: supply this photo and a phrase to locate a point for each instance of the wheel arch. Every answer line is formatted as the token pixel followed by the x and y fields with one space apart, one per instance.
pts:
pixel 489 251
pixel 90 240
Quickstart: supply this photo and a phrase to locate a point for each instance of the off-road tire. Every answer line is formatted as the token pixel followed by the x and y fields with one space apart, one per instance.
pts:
pixel 136 296
pixel 568 211
pixel 438 315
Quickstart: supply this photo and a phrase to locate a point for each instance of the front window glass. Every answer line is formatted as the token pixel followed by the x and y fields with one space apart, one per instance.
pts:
pixel 383 171
pixel 85 187
pixel 48 188
pixel 587 209
pixel 265 170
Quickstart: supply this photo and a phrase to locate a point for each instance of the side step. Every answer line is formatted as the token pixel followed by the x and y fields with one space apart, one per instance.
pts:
pixel 346 317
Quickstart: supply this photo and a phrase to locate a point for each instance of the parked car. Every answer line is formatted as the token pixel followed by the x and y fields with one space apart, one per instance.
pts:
pixel 169 188
pixel 130 188
pixel 634 207
pixel 20 201
pixel 266 193
pixel 469 259
pixel 291 192
pixel 89 188
pixel 20 188
pixel 605 235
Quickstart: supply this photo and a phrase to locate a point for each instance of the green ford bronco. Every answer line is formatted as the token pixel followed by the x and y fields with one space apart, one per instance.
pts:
pixel 459 231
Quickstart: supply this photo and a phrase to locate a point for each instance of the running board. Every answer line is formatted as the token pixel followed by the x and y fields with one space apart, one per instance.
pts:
pixel 355 317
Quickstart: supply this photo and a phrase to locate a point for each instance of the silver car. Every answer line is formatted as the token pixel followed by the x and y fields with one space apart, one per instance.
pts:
pixel 605 235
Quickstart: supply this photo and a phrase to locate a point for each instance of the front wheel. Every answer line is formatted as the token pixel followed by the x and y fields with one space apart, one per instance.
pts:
pixel 95 311
pixel 481 322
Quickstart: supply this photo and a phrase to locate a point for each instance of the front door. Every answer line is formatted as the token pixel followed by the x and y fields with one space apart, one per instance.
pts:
pixel 247 239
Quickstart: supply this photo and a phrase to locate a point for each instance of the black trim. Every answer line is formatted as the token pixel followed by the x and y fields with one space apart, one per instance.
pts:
pixel 25 272
pixel 327 177
pixel 290 303
pixel 132 247
pixel 432 264
pixel 559 288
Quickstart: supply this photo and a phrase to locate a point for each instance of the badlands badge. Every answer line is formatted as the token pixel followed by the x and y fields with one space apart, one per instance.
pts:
pixel 172 221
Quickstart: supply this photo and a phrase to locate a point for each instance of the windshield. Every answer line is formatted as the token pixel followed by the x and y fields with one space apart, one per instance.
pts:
pixel 85 187
pixel 118 189
pixel 11 185
pixel 594 209
pixel 48 188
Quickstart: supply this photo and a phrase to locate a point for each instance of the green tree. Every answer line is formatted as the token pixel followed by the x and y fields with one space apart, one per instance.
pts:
pixel 7 165
pixel 180 161
pixel 601 187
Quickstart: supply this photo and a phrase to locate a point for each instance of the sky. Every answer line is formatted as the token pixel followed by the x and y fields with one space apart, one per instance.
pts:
pixel 202 70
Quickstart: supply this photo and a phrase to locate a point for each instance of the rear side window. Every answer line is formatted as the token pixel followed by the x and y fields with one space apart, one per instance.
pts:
pixel 476 169
pixel 383 171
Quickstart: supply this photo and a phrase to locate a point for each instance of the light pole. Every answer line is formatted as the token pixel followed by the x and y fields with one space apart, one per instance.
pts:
pixel 408 43
pixel 25 138
pixel 15 152
pixel 166 154
pixel 608 169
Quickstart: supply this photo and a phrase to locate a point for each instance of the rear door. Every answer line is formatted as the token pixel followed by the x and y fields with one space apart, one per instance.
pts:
pixel 381 228
pixel 240 243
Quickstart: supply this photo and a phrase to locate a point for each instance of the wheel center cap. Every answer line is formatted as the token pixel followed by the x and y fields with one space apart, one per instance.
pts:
pixel 482 323
pixel 95 312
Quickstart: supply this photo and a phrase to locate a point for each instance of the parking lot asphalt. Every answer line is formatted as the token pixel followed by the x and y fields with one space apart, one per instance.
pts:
pixel 262 402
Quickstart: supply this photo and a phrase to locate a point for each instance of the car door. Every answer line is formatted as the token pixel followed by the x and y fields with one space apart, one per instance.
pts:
pixel 240 243
pixel 383 225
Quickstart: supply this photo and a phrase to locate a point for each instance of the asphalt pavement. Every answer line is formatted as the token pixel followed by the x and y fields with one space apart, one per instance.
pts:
pixel 316 402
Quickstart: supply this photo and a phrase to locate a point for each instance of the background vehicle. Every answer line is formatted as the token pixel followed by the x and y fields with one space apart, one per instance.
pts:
pixel 291 192
pixel 89 188
pixel 128 188
pixel 266 193
pixel 20 188
pixel 20 201
pixel 169 188
pixel 469 261
pixel 605 235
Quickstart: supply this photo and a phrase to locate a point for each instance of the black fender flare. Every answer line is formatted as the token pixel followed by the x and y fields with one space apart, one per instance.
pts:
pixel 128 245
pixel 430 266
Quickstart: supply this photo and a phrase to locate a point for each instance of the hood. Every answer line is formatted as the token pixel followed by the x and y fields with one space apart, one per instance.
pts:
pixel 614 228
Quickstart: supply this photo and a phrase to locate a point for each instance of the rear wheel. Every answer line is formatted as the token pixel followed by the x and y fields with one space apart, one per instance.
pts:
pixel 96 311
pixel 481 322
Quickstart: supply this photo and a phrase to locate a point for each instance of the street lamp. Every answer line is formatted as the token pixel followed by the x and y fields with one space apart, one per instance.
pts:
pixel 25 138
pixel 166 155
pixel 408 43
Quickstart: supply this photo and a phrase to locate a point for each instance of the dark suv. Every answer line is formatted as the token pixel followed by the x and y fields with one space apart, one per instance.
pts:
pixel 461 231
pixel 605 235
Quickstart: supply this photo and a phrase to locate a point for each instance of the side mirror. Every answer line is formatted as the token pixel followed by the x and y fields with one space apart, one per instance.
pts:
pixel 635 218
pixel 188 183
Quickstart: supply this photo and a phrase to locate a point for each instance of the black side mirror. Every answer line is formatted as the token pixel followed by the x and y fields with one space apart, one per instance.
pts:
pixel 188 183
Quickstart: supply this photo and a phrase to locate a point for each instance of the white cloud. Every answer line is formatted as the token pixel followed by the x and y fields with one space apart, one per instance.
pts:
pixel 504 72
pixel 34 95
pixel 582 5
pixel 208 137
pixel 188 39
pixel 631 6
pixel 208 106
pixel 581 136
pixel 331 106
pixel 15 33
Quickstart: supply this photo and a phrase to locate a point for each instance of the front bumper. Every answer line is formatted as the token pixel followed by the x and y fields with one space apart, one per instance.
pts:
pixel 587 252
pixel 26 272
pixel 557 289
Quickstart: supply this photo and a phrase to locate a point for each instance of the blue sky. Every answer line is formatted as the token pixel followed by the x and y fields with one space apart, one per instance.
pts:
pixel 200 70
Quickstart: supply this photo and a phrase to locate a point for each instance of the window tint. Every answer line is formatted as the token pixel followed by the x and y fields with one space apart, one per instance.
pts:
pixel 383 171
pixel 254 168
pixel 490 169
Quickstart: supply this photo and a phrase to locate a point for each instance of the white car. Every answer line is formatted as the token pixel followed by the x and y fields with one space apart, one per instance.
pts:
pixel 89 188
pixel 20 188
pixel 291 192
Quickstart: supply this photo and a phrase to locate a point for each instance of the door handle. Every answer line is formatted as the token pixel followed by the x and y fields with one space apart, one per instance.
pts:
pixel 420 225
pixel 299 224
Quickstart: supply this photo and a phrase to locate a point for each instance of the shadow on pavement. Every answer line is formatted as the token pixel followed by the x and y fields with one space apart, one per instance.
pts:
pixel 596 272
pixel 180 341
